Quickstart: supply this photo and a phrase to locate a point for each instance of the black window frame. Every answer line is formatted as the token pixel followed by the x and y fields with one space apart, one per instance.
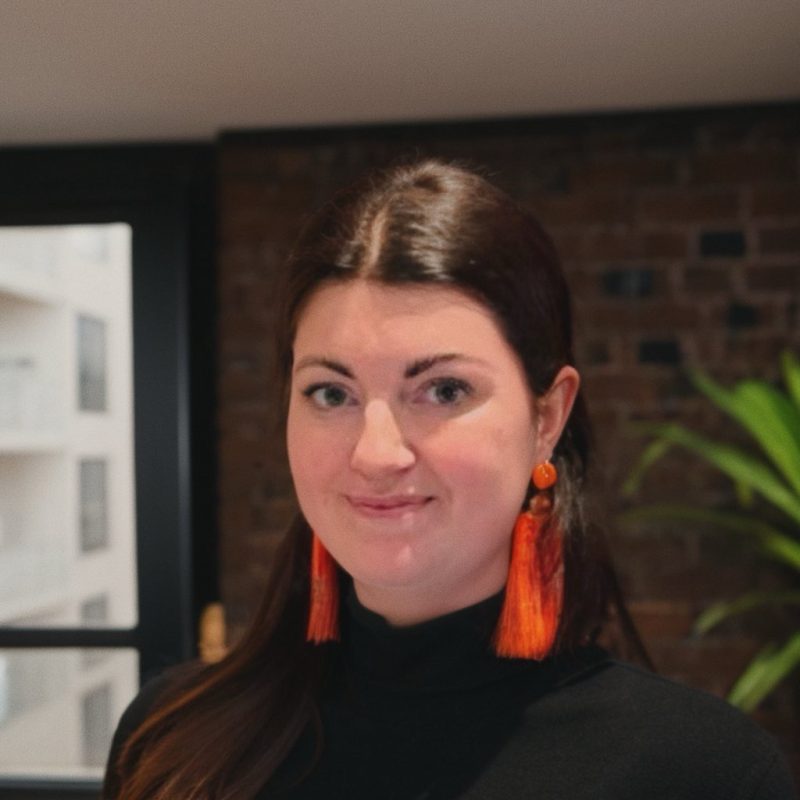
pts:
pixel 167 194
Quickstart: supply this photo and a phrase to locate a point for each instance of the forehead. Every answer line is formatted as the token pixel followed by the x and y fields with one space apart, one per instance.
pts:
pixel 365 317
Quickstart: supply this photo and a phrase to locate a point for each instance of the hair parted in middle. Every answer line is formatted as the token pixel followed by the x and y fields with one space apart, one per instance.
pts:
pixel 431 223
pixel 439 224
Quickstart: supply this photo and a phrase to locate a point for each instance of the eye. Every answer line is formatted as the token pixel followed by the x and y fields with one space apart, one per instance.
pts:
pixel 447 391
pixel 327 395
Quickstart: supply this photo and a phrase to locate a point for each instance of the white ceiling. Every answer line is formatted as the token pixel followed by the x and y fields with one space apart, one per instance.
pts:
pixel 133 70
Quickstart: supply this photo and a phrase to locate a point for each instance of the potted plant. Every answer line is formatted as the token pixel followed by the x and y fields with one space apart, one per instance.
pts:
pixel 767 512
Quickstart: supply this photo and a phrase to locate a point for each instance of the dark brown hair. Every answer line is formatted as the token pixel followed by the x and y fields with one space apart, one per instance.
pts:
pixel 222 731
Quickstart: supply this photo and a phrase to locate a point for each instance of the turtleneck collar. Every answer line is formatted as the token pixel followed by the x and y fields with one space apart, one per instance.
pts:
pixel 449 653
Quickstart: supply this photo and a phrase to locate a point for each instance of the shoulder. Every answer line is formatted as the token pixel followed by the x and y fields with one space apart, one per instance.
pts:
pixel 651 701
pixel 643 726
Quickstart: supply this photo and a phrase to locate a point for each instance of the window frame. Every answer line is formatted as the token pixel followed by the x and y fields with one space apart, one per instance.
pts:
pixel 167 194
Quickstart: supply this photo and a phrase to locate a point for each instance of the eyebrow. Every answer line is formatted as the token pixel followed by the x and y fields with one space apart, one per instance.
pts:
pixel 422 364
pixel 415 368
pixel 328 363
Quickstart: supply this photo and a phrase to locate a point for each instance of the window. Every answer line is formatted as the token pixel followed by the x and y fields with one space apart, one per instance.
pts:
pixel 106 457
pixel 97 725
pixel 93 504
pixel 94 613
pixel 91 364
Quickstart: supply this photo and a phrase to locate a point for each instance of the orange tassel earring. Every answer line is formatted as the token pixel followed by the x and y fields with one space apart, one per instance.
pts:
pixel 534 590
pixel 323 612
pixel 544 475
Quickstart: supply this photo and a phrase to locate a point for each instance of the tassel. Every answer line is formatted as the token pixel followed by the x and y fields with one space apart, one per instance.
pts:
pixel 323 612
pixel 531 609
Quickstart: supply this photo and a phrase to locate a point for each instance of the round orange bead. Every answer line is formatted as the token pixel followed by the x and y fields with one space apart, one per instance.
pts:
pixel 544 475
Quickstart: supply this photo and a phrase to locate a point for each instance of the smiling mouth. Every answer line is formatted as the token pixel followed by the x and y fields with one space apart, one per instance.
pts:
pixel 387 506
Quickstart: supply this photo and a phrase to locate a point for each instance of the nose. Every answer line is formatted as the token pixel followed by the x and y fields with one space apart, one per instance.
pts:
pixel 381 448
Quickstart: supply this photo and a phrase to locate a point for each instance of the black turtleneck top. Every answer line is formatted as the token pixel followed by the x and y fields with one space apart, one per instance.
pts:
pixel 428 712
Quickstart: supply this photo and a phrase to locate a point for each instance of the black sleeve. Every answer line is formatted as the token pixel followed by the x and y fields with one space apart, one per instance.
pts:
pixel 133 716
pixel 776 783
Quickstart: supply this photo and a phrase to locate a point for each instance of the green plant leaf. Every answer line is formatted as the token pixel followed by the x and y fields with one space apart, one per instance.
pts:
pixel 772 418
pixel 766 414
pixel 790 365
pixel 781 548
pixel 654 451
pixel 771 540
pixel 735 463
pixel 744 494
pixel 765 672
pixel 718 612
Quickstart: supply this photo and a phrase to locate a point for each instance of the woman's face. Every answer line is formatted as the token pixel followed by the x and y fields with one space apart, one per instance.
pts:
pixel 412 434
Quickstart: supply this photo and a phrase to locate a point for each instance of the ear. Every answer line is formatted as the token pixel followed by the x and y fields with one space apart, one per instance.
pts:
pixel 553 410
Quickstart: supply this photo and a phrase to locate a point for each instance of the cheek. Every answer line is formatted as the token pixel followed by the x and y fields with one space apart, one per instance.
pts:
pixel 295 443
pixel 303 446
pixel 487 465
pixel 315 456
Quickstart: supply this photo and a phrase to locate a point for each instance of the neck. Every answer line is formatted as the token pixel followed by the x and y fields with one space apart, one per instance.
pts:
pixel 403 607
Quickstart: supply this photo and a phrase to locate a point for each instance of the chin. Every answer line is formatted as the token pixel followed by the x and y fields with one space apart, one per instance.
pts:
pixel 388 574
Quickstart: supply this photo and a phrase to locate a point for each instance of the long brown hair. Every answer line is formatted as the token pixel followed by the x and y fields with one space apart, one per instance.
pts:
pixel 222 731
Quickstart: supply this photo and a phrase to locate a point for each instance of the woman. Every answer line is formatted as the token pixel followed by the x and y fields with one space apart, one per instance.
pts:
pixel 428 629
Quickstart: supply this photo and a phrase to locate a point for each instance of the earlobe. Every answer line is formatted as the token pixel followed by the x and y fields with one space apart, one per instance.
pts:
pixel 554 408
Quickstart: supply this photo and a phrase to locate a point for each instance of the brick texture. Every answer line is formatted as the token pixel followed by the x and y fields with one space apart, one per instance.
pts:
pixel 680 236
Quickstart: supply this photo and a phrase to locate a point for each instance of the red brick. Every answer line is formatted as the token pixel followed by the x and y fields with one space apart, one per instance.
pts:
pixel 255 329
pixel 685 205
pixel 584 208
pixel 624 171
pixel 252 193
pixel 655 567
pixel 595 353
pixel 260 223
pixel 620 244
pixel 779 240
pixel 776 200
pixel 773 278
pixel 238 385
pixel 658 619
pixel 664 244
pixel 583 283
pixel 761 348
pixel 707 279
pixel 633 388
pixel 569 244
pixel 251 161
pixel 744 166
pixel 639 315
pixel 608 245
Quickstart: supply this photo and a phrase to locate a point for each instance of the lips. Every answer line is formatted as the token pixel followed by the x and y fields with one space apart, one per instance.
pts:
pixel 388 505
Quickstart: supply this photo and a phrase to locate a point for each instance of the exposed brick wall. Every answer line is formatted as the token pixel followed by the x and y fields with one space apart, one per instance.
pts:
pixel 680 236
